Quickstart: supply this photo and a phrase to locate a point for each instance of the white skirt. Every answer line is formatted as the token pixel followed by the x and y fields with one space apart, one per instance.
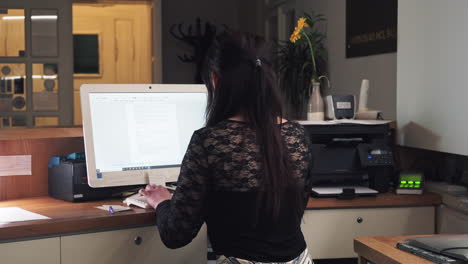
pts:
pixel 303 258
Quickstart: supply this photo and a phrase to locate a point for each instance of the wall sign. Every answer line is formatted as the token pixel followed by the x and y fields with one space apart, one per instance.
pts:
pixel 371 27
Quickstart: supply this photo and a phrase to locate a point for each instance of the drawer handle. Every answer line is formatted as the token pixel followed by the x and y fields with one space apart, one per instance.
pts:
pixel 138 240
pixel 360 220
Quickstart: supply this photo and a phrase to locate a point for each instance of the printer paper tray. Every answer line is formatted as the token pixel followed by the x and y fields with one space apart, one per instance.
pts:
pixel 335 191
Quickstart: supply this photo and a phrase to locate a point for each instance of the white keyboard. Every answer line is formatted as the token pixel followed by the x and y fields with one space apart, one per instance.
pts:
pixel 140 200
pixel 137 200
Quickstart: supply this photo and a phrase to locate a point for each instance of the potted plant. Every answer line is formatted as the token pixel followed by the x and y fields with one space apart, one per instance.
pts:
pixel 302 66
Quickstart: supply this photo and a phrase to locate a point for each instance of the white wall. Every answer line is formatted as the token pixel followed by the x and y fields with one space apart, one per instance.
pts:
pixel 346 74
pixel 432 75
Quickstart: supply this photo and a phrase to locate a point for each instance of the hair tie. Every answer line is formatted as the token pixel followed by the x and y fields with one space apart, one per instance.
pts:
pixel 258 62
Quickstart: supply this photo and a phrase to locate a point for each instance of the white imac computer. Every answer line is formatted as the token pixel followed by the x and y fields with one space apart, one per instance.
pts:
pixel 134 133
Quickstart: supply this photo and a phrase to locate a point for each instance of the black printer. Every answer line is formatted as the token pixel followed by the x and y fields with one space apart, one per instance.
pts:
pixel 352 155
pixel 68 180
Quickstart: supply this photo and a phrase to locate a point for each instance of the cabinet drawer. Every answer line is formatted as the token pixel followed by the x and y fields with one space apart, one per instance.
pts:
pixel 137 245
pixel 330 233
pixel 40 251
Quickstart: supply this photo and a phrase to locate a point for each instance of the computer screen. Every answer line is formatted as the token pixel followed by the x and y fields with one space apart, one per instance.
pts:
pixel 134 135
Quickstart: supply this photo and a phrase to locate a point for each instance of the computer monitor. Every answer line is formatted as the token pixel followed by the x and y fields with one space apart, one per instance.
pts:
pixel 134 133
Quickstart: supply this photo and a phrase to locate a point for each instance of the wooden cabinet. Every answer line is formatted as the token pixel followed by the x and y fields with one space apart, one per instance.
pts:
pixel 137 245
pixel 134 245
pixel 38 251
pixel 329 233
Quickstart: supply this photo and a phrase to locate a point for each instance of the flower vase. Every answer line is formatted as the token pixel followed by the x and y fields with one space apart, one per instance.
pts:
pixel 315 108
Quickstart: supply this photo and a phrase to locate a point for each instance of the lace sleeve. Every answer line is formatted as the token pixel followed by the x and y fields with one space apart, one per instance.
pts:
pixel 308 176
pixel 180 219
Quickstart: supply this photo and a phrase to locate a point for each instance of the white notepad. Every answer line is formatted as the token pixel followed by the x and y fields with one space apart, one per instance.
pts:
pixel 16 214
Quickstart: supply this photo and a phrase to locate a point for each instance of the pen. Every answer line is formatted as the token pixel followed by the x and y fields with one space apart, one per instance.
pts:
pixel 111 210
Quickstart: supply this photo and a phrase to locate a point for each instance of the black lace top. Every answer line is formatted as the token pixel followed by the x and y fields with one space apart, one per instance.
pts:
pixel 218 184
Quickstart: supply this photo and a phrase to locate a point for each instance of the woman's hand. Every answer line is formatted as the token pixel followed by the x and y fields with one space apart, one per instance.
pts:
pixel 155 194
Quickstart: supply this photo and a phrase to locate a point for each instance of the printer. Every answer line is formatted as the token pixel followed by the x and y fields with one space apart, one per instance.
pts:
pixel 68 180
pixel 350 158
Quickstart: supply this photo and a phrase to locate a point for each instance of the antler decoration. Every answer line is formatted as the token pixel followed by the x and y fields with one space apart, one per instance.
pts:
pixel 199 40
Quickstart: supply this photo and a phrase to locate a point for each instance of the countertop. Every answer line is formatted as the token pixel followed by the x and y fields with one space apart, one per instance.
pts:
pixel 67 217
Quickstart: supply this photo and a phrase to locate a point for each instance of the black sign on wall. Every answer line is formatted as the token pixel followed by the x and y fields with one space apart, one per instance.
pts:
pixel 371 27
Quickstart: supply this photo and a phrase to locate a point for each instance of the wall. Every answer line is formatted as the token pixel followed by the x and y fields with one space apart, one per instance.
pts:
pixel 346 74
pixel 177 11
pixel 432 63
pixel 41 144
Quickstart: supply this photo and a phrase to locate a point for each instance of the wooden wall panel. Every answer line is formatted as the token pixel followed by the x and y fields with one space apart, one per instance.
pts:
pixel 14 187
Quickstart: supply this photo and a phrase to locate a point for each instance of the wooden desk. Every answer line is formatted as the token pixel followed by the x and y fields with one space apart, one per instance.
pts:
pixel 330 225
pixel 382 250
pixel 381 200
pixel 67 217
pixel 79 233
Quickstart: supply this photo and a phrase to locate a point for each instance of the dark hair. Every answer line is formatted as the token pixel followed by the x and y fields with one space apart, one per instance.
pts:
pixel 246 86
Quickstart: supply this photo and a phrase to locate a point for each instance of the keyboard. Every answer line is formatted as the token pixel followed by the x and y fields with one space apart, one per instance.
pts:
pixel 140 200
pixel 434 257
pixel 137 200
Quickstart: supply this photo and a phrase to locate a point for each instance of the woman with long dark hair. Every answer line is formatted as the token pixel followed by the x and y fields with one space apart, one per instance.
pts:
pixel 246 174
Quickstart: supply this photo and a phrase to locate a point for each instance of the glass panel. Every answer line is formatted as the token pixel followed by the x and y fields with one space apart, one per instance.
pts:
pixel 86 54
pixel 18 121
pixel 12 33
pixel 45 87
pixel 12 87
pixel 44 32
pixel 46 121
pixel 12 121
pixel 5 121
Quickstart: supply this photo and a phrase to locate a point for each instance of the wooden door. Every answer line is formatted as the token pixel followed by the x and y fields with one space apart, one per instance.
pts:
pixel 123 33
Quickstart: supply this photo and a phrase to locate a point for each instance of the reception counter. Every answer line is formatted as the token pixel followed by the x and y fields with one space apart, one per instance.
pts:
pixel 80 230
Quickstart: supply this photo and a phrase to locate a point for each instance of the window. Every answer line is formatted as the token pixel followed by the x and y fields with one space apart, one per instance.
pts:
pixel 86 53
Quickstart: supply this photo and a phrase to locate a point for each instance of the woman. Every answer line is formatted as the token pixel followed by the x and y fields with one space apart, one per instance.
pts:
pixel 246 173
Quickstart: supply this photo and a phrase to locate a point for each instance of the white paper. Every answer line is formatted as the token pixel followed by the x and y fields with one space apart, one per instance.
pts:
pixel 16 214
pixel 116 208
pixel 339 190
pixel 344 121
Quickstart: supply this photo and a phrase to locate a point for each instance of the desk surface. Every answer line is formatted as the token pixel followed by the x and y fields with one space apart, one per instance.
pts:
pixel 69 217
pixel 383 250
pixel 381 200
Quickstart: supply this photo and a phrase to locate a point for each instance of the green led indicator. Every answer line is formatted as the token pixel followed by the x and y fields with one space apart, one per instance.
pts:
pixel 410 182
pixel 411 185
pixel 403 182
pixel 417 182
pixel 406 185
pixel 402 185
pixel 417 186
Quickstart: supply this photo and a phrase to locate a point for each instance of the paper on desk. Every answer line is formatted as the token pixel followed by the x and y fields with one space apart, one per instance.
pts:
pixel 344 121
pixel 16 214
pixel 116 208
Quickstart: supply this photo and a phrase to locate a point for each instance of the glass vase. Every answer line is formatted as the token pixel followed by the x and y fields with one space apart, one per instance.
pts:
pixel 315 108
